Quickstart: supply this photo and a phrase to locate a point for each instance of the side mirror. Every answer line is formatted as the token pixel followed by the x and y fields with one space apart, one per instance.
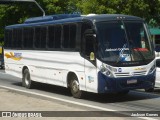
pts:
pixel 92 56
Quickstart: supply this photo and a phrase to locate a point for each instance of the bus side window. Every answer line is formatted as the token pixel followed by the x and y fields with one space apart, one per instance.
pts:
pixel 58 36
pixel 84 28
pixel 37 37
pixel 40 37
pixel 28 37
pixel 51 36
pixel 43 37
pixel 17 38
pixel 65 36
pixel 69 36
pixel 89 46
pixel 14 44
pixel 54 36
pixel 73 31
pixel 8 38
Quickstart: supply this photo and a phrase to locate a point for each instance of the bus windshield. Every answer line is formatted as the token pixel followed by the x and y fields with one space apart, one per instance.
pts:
pixel 124 42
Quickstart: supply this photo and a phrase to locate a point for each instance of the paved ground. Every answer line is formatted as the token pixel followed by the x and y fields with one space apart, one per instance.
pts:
pixel 13 101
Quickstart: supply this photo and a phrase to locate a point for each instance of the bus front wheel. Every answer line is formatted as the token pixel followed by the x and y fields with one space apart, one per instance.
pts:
pixel 125 92
pixel 75 90
pixel 149 90
pixel 26 81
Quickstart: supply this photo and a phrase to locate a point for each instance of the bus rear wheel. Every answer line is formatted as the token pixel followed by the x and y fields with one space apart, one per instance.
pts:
pixel 26 81
pixel 75 90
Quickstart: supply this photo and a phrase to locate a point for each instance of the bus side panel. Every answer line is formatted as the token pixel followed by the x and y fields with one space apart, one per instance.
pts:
pixel 91 76
pixel 13 65
pixel 51 67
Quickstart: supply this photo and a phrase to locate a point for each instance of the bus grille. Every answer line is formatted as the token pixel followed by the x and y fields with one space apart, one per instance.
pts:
pixel 130 74
pixel 122 74
pixel 140 73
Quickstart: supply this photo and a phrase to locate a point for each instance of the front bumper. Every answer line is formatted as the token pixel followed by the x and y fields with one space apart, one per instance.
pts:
pixel 113 85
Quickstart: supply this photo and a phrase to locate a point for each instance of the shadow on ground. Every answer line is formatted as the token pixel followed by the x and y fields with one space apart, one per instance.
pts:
pixel 102 98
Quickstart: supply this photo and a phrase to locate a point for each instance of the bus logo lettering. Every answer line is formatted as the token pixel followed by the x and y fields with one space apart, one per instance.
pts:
pixel 14 56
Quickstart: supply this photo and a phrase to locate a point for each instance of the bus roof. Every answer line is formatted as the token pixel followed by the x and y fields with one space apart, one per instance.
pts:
pixel 51 18
pixel 66 18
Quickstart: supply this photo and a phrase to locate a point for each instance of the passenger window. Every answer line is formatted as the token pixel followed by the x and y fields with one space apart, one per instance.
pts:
pixel 89 46
pixel 40 37
pixel 51 36
pixel 84 28
pixel 58 32
pixel 66 36
pixel 69 36
pixel 8 38
pixel 28 37
pixel 43 37
pixel 73 31
pixel 17 38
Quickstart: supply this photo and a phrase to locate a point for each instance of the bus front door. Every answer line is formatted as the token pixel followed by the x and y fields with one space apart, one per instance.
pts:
pixel 90 63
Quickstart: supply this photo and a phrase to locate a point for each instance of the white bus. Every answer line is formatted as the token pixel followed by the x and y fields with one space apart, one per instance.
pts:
pixel 107 53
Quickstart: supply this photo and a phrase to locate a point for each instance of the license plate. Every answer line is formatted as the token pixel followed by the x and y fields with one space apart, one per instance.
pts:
pixel 133 81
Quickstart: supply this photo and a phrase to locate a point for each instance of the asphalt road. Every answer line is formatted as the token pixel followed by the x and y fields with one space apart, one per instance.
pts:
pixel 135 101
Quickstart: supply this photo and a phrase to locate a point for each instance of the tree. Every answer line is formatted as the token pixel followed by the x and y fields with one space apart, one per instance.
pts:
pixel 19 12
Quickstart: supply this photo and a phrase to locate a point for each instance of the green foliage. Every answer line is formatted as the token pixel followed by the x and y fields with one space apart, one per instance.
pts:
pixel 2 43
pixel 18 12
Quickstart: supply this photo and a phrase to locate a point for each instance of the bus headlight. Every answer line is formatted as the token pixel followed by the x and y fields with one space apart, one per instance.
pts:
pixel 106 71
pixel 102 69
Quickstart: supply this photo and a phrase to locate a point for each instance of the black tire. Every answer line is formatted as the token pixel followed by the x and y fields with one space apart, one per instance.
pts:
pixel 125 92
pixel 149 90
pixel 26 81
pixel 2 67
pixel 74 86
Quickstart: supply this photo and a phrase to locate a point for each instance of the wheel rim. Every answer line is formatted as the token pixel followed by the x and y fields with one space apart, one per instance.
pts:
pixel 26 80
pixel 75 86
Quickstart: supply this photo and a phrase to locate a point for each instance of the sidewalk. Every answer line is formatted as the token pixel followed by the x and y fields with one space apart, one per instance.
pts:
pixel 12 101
